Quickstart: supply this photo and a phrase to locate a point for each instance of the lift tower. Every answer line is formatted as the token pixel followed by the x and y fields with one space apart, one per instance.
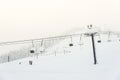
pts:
pixel 92 34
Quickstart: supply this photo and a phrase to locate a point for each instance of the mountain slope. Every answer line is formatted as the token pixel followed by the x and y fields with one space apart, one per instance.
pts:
pixel 76 64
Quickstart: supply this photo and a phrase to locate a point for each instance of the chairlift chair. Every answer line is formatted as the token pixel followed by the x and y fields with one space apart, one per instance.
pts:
pixel 41 49
pixel 30 62
pixel 99 41
pixel 32 50
pixel 71 44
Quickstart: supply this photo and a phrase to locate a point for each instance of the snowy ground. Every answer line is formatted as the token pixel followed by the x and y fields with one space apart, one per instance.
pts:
pixel 77 65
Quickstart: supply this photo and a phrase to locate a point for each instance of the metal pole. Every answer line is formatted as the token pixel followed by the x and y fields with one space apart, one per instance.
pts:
pixel 94 51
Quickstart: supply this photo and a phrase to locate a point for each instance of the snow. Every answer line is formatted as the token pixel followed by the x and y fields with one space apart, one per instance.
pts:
pixel 77 64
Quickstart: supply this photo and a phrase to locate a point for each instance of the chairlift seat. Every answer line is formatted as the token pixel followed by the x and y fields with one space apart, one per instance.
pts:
pixel 30 62
pixel 32 50
pixel 41 49
pixel 99 41
pixel 71 44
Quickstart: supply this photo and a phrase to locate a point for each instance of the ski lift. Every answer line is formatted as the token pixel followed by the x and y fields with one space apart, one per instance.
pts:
pixel 109 35
pixel 30 62
pixel 99 41
pixel 71 44
pixel 80 41
pixel 41 49
pixel 19 62
pixel 32 50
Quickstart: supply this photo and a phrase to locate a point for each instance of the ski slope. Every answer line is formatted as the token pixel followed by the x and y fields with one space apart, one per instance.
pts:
pixel 76 64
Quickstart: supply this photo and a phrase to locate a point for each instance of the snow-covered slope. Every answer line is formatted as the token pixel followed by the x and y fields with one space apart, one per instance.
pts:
pixel 75 64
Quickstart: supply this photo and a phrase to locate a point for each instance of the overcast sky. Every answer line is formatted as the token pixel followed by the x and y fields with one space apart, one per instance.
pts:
pixel 26 19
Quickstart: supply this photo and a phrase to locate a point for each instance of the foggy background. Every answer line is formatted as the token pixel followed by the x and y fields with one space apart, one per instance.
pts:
pixel 29 19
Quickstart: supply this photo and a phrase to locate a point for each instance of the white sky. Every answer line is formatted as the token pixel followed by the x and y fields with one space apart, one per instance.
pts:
pixel 26 19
